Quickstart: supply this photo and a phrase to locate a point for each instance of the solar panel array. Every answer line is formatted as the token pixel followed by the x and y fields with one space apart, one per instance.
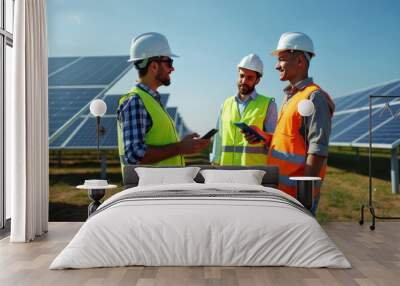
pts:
pixel 91 71
pixel 55 64
pixel 73 83
pixel 350 125
pixel 66 102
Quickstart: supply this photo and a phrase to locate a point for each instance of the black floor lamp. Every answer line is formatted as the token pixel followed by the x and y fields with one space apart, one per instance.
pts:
pixel 370 203
pixel 305 185
pixel 98 108
pixel 306 109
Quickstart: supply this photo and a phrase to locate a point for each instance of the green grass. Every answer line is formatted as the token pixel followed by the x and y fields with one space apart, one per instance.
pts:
pixel 344 190
pixel 346 186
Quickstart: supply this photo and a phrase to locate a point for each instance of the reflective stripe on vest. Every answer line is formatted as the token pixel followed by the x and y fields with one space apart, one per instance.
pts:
pixel 293 158
pixel 245 149
pixel 288 150
pixel 162 131
pixel 235 149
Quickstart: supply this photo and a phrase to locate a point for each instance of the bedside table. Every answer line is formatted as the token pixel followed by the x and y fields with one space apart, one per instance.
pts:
pixel 305 190
pixel 95 192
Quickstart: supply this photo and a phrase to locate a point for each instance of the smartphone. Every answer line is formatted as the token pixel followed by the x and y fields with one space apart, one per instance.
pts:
pixel 210 134
pixel 247 129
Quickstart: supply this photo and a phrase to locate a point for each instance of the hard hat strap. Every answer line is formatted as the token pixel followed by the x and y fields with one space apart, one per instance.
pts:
pixel 307 55
pixel 142 64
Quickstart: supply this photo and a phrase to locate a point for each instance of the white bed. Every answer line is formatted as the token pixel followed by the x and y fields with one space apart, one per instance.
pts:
pixel 250 225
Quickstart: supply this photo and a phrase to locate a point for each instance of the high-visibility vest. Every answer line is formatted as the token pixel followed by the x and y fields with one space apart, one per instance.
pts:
pixel 162 132
pixel 235 149
pixel 288 149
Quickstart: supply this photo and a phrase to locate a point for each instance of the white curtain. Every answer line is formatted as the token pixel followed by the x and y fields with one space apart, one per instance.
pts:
pixel 27 124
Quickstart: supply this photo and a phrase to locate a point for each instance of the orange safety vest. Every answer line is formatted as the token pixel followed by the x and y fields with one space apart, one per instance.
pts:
pixel 288 150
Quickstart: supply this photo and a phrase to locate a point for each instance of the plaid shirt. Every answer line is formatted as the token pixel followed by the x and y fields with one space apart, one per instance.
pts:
pixel 136 122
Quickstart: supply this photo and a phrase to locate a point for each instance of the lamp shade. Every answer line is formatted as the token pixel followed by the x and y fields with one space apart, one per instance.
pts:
pixel 98 107
pixel 305 107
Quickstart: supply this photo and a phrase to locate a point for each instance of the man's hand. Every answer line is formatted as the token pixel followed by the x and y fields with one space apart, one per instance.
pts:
pixel 314 164
pixel 252 139
pixel 191 144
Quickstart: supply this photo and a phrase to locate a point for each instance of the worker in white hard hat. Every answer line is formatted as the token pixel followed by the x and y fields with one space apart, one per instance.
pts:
pixel 299 146
pixel 249 107
pixel 146 133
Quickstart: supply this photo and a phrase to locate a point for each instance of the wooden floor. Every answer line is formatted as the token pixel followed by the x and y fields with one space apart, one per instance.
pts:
pixel 375 256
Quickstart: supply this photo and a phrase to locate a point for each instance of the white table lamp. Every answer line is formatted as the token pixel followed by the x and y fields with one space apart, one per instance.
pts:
pixel 306 107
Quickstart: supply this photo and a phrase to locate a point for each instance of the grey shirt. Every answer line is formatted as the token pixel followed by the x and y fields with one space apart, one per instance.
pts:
pixel 318 125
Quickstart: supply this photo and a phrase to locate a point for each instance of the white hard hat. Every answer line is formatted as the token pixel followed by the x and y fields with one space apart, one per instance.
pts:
pixel 252 62
pixel 294 41
pixel 149 45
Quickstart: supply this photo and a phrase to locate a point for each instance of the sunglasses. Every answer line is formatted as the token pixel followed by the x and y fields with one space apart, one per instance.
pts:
pixel 169 62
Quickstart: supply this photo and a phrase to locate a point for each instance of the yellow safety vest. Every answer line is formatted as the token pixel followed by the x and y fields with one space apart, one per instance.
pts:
pixel 162 132
pixel 235 149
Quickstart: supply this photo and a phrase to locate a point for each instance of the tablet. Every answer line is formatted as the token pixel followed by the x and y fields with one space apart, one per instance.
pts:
pixel 247 129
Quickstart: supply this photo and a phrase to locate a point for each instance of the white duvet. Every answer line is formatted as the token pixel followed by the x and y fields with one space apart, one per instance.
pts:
pixel 219 231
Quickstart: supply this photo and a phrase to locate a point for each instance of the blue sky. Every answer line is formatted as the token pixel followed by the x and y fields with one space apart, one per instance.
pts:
pixel 356 42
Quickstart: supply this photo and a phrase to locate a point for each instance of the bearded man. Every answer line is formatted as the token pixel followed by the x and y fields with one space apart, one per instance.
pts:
pixel 146 133
pixel 230 146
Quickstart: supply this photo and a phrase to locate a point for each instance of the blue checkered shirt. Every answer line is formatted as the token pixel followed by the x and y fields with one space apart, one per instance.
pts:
pixel 136 122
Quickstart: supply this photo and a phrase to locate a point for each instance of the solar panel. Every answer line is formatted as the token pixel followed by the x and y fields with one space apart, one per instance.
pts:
pixel 178 121
pixel 57 143
pixel 388 133
pixel 381 90
pixel 359 98
pixel 57 63
pixel 112 103
pixel 65 103
pixel 350 123
pixel 373 122
pixel 172 112
pixel 339 102
pixel 342 103
pixel 185 130
pixel 350 120
pixel 164 99
pixel 91 71
pixel 73 83
pixel 339 118
pixel 362 127
pixel 351 132
pixel 86 136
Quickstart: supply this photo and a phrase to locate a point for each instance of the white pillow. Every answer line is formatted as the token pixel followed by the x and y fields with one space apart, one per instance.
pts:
pixel 248 177
pixel 166 176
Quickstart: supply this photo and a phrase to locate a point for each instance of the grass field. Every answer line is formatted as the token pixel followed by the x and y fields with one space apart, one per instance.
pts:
pixel 344 190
